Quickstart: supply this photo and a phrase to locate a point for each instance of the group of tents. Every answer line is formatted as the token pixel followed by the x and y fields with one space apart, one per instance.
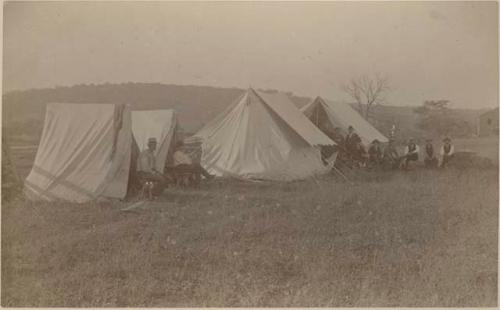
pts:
pixel 89 151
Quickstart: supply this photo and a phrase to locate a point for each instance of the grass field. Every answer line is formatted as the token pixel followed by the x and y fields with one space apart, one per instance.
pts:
pixel 486 146
pixel 421 238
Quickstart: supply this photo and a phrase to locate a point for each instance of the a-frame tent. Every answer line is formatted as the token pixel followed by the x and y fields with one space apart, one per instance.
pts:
pixel 88 151
pixel 338 114
pixel 262 136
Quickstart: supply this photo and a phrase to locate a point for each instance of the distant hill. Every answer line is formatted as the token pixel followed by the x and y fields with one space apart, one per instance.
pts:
pixel 23 111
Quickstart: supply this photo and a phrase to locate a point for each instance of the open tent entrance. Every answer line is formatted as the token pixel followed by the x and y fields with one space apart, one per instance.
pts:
pixel 159 124
pixel 86 151
pixel 325 112
pixel 319 117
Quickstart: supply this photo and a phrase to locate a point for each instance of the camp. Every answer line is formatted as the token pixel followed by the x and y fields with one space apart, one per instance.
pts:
pixel 88 151
pixel 262 136
pixel 337 114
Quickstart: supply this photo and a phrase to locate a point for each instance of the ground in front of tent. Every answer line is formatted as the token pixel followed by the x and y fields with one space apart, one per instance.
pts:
pixel 420 238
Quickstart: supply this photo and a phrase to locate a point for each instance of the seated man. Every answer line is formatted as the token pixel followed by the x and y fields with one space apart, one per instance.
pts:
pixel 391 156
pixel 446 152
pixel 375 153
pixel 430 159
pixel 152 180
pixel 184 164
pixel 411 154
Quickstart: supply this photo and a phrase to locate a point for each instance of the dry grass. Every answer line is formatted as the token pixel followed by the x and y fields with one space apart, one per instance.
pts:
pixel 485 146
pixel 423 238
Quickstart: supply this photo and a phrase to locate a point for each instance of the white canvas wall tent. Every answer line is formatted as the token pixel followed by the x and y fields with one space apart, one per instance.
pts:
pixel 86 151
pixel 262 136
pixel 338 114
pixel 159 124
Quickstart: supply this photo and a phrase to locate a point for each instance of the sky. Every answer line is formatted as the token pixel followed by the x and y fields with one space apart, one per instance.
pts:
pixel 427 50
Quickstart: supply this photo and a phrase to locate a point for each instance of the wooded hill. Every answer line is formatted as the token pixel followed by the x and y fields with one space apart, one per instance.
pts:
pixel 23 111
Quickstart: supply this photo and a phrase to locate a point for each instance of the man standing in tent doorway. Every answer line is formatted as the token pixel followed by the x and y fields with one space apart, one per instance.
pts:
pixel 151 179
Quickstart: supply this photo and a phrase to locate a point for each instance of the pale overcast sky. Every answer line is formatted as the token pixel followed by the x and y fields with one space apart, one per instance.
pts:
pixel 438 50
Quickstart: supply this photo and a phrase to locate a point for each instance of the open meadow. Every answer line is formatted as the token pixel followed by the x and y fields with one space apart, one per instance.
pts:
pixel 420 238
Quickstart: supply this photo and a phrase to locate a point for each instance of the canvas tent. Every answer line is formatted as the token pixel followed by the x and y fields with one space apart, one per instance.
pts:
pixel 160 124
pixel 84 153
pixel 262 136
pixel 338 114
pixel 87 151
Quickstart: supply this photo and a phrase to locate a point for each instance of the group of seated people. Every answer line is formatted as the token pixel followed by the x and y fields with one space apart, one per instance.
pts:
pixel 353 153
pixel 178 168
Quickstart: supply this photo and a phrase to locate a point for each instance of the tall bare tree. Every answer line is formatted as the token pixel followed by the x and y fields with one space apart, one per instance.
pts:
pixel 367 91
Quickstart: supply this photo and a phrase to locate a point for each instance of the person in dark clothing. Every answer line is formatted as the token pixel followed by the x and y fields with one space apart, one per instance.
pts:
pixel 411 154
pixel 430 159
pixel 339 138
pixel 375 153
pixel 352 139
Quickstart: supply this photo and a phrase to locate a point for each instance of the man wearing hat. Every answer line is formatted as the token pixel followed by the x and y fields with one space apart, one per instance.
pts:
pixel 152 179
pixel 430 159
pixel 446 152
pixel 411 153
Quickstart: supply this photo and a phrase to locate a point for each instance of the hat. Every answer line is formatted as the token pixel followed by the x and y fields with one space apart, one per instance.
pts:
pixel 152 140
pixel 375 141
pixel 446 139
pixel 350 127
